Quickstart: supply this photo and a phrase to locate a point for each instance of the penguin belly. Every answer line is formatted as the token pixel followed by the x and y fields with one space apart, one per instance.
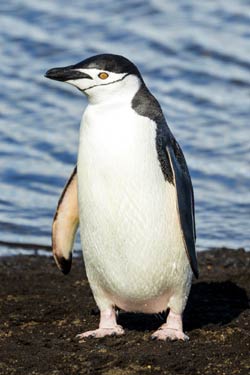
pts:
pixel 130 232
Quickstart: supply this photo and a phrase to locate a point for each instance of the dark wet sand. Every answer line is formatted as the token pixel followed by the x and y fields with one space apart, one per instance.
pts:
pixel 42 310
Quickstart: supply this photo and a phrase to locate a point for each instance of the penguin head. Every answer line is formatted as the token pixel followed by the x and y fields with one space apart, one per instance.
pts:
pixel 101 77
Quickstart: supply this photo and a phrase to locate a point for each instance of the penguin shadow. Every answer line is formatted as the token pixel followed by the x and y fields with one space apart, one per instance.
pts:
pixel 214 303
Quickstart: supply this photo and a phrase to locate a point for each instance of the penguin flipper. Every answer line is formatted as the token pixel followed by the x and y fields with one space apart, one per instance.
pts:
pixel 185 201
pixel 65 224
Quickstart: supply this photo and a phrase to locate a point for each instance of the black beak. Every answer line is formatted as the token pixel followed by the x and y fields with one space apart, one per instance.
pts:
pixel 66 74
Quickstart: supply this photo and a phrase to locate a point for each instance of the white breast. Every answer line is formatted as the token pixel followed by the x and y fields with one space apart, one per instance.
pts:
pixel 130 231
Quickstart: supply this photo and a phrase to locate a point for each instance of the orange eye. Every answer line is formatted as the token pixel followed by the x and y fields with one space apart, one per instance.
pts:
pixel 103 75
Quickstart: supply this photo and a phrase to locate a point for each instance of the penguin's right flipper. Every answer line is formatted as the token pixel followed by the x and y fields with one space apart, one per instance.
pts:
pixel 185 201
pixel 65 224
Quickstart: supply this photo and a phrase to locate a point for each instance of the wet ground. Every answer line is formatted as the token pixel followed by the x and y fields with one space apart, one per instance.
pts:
pixel 42 311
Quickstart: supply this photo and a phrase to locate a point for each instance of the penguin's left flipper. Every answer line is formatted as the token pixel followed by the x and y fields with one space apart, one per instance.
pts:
pixel 185 201
pixel 65 224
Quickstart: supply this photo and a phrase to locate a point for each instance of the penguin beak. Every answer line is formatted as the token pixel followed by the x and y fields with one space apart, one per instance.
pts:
pixel 66 74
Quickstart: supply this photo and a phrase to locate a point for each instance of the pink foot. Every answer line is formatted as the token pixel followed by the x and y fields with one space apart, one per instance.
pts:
pixel 102 332
pixel 169 334
pixel 171 330
pixel 107 326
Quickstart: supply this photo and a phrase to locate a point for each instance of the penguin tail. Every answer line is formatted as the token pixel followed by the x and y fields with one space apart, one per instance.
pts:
pixel 65 224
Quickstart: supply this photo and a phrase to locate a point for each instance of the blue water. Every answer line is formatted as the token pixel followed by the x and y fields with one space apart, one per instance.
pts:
pixel 195 58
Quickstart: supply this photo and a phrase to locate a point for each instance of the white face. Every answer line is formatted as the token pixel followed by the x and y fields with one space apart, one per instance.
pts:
pixel 106 86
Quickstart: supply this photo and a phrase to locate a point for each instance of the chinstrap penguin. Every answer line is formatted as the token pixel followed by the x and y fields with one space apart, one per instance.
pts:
pixel 132 195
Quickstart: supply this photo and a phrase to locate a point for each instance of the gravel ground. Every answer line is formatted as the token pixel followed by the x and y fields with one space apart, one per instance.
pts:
pixel 42 311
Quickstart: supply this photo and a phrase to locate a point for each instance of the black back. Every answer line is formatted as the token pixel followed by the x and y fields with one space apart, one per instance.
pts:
pixel 145 104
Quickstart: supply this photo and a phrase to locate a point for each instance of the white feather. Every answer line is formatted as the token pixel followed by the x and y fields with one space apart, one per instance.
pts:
pixel 132 241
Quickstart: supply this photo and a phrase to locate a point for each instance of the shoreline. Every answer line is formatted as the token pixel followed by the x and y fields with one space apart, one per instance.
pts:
pixel 27 248
pixel 42 311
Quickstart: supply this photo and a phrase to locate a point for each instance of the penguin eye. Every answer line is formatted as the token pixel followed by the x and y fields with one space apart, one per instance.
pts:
pixel 103 75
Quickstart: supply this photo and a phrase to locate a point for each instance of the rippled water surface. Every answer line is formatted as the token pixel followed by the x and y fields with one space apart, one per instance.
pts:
pixel 195 58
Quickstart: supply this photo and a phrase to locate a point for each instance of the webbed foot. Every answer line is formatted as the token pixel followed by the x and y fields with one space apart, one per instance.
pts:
pixel 165 333
pixel 171 330
pixel 102 332
pixel 107 327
